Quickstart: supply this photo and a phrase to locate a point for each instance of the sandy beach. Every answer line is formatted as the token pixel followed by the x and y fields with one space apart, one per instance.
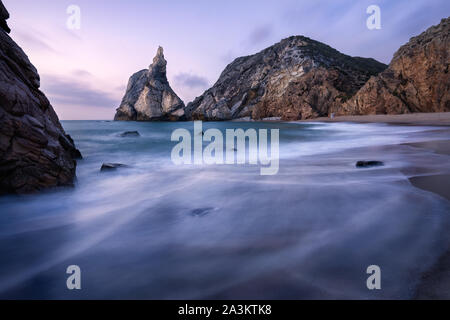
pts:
pixel 426 119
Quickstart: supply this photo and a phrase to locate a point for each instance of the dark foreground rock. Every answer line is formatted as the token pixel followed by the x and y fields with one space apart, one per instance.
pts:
pixel 112 166
pixel 417 80
pixel 368 164
pixel 149 96
pixel 35 152
pixel 297 78
pixel 4 15
pixel 130 134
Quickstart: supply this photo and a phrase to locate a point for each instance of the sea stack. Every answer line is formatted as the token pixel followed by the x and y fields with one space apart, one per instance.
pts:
pixel 149 96
pixel 417 80
pixel 297 78
pixel 35 152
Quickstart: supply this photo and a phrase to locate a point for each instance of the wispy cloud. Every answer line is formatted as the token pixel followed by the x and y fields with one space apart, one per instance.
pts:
pixel 260 34
pixel 33 40
pixel 190 80
pixel 82 73
pixel 70 91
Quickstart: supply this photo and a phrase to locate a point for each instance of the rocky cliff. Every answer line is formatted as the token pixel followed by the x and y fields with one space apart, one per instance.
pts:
pixel 149 95
pixel 417 79
pixel 297 78
pixel 35 152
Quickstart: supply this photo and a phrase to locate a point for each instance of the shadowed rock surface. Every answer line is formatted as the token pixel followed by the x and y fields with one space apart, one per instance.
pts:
pixel 4 15
pixel 149 95
pixel 297 78
pixel 417 79
pixel 35 152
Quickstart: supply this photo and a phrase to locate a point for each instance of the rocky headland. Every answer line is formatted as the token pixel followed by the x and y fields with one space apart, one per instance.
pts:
pixel 35 152
pixel 297 78
pixel 300 78
pixel 417 79
pixel 149 96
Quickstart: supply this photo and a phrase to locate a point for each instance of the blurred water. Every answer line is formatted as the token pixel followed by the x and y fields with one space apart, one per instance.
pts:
pixel 156 230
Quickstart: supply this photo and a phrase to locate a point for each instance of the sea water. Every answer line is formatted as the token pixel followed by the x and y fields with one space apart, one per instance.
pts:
pixel 156 230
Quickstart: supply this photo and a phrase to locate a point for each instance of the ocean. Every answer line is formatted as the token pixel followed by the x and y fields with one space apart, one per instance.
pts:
pixel 156 230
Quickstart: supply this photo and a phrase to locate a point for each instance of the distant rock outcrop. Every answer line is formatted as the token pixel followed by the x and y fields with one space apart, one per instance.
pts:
pixel 297 78
pixel 417 79
pixel 149 95
pixel 35 152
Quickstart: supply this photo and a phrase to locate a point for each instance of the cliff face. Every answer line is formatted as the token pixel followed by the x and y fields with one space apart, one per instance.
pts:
pixel 149 95
pixel 35 152
pixel 417 79
pixel 297 78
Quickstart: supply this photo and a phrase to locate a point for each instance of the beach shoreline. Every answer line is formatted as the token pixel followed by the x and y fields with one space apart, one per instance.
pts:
pixel 435 282
pixel 436 183
pixel 423 119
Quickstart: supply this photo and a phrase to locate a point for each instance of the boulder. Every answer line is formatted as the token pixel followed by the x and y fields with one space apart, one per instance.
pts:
pixel 130 134
pixel 200 212
pixel 112 166
pixel 368 164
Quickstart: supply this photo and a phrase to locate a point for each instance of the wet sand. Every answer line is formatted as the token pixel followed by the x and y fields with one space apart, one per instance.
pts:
pixel 435 283
pixel 437 183
pixel 427 119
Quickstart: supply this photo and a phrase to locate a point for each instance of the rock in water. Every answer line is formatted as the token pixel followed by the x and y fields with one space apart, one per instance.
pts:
pixel 35 152
pixel 130 134
pixel 368 164
pixel 200 212
pixel 297 78
pixel 149 95
pixel 417 79
pixel 112 166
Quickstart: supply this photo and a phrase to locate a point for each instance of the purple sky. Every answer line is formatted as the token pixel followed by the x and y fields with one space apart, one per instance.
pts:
pixel 84 72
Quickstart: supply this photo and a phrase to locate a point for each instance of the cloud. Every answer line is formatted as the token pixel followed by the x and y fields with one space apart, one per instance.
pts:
pixel 260 34
pixel 30 40
pixel 82 73
pixel 63 90
pixel 190 80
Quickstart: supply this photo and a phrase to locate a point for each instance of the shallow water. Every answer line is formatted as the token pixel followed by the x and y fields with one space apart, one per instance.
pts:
pixel 156 230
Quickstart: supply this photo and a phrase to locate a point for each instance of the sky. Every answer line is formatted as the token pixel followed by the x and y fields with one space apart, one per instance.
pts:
pixel 84 72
